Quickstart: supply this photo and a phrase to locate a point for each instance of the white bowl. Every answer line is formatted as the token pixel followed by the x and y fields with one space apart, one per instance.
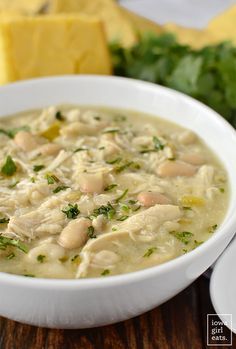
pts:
pixel 95 302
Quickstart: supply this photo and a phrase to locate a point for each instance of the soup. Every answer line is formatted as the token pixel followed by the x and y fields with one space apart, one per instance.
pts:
pixel 93 192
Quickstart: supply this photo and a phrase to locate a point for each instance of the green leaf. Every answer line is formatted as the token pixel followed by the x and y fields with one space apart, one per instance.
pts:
pixel 185 76
pixel 9 168
pixel 60 188
pixel 71 211
pixel 184 237
pixel 4 242
pixel 38 168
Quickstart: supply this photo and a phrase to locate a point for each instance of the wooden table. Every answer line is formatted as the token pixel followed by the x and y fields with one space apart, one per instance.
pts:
pixel 177 324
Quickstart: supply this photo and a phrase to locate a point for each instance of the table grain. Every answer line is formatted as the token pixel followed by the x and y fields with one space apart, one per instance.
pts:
pixel 178 324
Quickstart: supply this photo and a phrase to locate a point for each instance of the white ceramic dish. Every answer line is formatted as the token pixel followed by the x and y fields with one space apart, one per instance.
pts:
pixel 96 302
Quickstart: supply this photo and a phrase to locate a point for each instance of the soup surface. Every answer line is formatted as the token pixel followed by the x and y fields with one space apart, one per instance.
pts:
pixel 92 192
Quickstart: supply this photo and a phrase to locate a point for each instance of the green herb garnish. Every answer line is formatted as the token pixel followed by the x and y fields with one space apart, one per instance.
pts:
pixel 38 168
pixel 91 232
pixel 206 73
pixel 9 168
pixel 71 211
pixel 105 272
pixel 114 130
pixel 212 229
pixel 51 178
pixel 59 116
pixel 13 185
pixel 60 188
pixel 222 190
pixel 4 220
pixel 41 258
pixel 115 161
pixel 107 211
pixel 80 149
pixel 110 187
pixel 73 259
pixel 157 145
pixel 184 236
pixel 122 196
pixel 123 167
pixel 150 251
pixel 29 275
pixel 5 242
pixel 197 243
pixel 122 218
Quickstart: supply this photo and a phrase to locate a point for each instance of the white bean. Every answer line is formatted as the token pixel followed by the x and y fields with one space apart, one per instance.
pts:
pixel 74 235
pixel 176 168
pixel 149 198
pixel 25 140
pixel 91 182
pixel 193 159
pixel 51 252
pixel 50 149
pixel 187 137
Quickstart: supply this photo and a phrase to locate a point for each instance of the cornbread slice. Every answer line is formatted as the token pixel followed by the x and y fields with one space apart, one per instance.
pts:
pixel 118 27
pixel 27 7
pixel 51 45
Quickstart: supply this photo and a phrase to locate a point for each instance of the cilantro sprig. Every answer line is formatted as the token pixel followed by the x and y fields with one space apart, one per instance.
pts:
pixel 207 74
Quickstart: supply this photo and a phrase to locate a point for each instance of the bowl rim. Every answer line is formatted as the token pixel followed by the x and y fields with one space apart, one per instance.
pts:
pixel 111 281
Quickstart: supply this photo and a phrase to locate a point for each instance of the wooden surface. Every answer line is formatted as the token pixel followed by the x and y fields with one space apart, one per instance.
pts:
pixel 177 324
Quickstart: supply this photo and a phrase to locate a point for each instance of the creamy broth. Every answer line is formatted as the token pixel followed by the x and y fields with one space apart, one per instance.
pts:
pixel 93 192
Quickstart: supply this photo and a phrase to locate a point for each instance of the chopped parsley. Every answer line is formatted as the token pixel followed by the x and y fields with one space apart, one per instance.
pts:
pixel 122 196
pixel 105 272
pixel 187 208
pixel 212 229
pixel 107 211
pixel 60 188
pixel 150 251
pixel 41 258
pixel 122 218
pixel 59 116
pixel 114 130
pixel 75 258
pixel 197 243
pixel 9 168
pixel 123 167
pixel 5 242
pixel 80 149
pixel 157 146
pixel 222 190
pixel 4 220
pixel 38 168
pixel 51 178
pixel 110 187
pixel 91 232
pixel 184 236
pixel 29 275
pixel 71 211
pixel 13 185
pixel 98 118
pixel 115 161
